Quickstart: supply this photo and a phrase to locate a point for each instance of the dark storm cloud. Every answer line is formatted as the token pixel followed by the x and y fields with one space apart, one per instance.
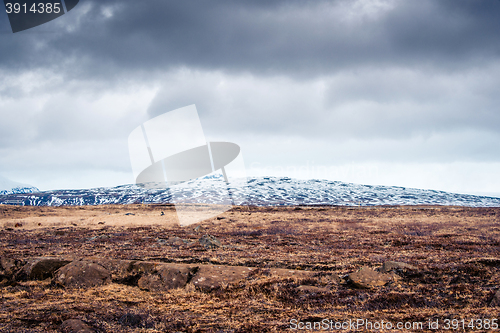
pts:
pixel 327 81
pixel 277 37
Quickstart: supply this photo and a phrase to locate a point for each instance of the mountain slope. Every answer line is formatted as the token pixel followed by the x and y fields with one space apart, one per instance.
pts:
pixel 272 191
pixel 8 186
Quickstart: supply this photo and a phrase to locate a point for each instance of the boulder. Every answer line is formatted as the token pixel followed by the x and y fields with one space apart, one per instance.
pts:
pixel 396 265
pixel 75 326
pixel 209 277
pixel 40 268
pixel 368 278
pixel 82 274
pixel 166 277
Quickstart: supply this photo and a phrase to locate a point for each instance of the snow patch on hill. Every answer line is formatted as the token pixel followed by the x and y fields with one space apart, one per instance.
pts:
pixel 263 191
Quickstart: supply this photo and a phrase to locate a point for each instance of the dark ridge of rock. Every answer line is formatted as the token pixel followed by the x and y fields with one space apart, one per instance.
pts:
pixel 40 268
pixel 145 274
pixel 211 277
pixel 82 274
pixel 75 326
pixel 395 265
pixel 368 278
pixel 166 276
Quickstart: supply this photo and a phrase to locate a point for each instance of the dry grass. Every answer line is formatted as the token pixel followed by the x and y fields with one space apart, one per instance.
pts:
pixel 448 244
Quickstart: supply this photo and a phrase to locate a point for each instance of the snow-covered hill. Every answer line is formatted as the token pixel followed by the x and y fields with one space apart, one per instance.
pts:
pixel 263 191
pixel 8 186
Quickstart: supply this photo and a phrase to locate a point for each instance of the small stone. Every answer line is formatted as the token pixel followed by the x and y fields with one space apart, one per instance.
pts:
pixel 75 326
pixel 368 278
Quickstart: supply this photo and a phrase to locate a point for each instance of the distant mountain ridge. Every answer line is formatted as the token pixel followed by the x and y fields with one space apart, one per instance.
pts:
pixel 262 191
pixel 8 186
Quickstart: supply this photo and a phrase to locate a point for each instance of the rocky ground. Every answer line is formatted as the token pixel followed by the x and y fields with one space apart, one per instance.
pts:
pixel 105 269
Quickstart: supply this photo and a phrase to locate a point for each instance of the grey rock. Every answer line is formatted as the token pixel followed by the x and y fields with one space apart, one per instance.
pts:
pixel 75 326
pixel 40 268
pixel 166 277
pixel 82 274
pixel 210 242
pixel 210 277
pixel 368 278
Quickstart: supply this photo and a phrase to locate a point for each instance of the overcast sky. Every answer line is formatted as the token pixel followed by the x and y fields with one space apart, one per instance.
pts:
pixel 376 92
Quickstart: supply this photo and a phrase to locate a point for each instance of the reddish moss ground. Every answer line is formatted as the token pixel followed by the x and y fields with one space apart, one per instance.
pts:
pixel 456 250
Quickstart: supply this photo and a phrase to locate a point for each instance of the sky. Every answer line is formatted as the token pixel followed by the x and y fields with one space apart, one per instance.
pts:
pixel 379 92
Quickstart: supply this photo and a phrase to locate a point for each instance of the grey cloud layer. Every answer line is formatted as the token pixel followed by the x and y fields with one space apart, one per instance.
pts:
pixel 331 81
pixel 287 37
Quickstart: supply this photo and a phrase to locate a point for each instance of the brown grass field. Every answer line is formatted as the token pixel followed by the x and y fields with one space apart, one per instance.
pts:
pixel 456 252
